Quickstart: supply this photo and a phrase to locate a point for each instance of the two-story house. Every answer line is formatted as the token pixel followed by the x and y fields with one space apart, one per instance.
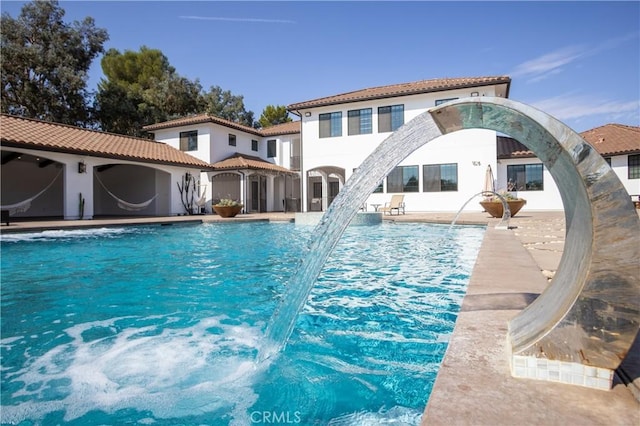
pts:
pixel 339 132
pixel 258 168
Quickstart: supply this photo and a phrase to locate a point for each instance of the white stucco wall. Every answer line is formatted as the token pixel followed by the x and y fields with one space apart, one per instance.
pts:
pixel 471 150
pixel 547 199
pixel 619 164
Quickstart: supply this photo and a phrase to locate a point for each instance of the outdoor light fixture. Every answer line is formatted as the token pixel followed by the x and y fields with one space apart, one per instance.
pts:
pixel 82 168
pixel 307 114
pixel 475 94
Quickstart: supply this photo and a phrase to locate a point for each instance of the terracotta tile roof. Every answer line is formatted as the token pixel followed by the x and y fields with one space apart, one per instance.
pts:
pixel 610 139
pixel 46 136
pixel 614 139
pixel 199 119
pixel 240 161
pixel 511 148
pixel 403 89
pixel 289 128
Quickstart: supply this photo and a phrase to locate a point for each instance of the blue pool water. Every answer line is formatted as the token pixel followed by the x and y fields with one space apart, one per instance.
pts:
pixel 161 325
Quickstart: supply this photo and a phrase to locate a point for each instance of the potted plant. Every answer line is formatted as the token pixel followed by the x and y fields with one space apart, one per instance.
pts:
pixel 227 207
pixel 493 204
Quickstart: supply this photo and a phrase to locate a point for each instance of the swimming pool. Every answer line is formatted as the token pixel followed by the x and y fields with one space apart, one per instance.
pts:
pixel 161 325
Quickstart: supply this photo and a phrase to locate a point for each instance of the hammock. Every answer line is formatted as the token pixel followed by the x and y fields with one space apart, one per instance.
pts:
pixel 203 198
pixel 23 206
pixel 124 205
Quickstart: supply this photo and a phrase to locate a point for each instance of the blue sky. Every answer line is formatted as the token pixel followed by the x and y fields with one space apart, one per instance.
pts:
pixel 578 61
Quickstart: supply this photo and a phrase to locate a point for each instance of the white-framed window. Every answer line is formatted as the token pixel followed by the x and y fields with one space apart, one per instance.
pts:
pixel 359 121
pixel 189 140
pixel 330 124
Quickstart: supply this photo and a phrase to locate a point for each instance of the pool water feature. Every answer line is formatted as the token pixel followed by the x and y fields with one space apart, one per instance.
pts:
pixel 162 325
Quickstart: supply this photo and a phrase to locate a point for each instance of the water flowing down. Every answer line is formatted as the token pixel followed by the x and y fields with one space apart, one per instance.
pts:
pixel 344 207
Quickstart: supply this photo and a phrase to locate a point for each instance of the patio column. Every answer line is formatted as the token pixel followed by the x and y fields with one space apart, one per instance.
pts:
pixel 325 191
pixel 78 182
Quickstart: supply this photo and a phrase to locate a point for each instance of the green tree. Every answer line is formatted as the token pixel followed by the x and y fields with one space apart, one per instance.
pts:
pixel 142 88
pixel 274 114
pixel 223 104
pixel 45 63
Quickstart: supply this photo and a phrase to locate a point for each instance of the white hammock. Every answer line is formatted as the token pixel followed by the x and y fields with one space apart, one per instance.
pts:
pixel 203 198
pixel 125 205
pixel 23 206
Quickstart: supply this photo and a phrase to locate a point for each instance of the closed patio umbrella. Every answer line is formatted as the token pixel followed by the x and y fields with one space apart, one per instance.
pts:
pixel 489 185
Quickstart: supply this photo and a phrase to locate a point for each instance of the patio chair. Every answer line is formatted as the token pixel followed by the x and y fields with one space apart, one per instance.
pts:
pixel 396 203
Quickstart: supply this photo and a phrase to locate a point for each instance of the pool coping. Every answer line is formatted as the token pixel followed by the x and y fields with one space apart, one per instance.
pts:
pixel 474 385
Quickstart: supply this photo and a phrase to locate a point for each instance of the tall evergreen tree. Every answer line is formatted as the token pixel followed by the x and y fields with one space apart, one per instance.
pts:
pixel 45 63
pixel 223 104
pixel 274 114
pixel 142 88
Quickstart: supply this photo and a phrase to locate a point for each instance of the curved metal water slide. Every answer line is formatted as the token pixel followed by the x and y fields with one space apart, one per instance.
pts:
pixel 585 322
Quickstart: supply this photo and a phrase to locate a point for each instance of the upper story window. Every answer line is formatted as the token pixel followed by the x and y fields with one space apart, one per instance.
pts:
pixel 359 121
pixel 330 124
pixel 189 140
pixel 525 177
pixel 441 101
pixel 390 118
pixel 633 166
pixel 608 160
pixel 232 140
pixel 403 179
pixel 254 145
pixel 271 148
pixel 439 177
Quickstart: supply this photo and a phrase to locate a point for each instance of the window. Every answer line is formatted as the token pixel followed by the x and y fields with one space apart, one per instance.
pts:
pixel 390 118
pixel 317 189
pixel 254 145
pixel 525 177
pixel 608 160
pixel 633 166
pixel 271 148
pixel 359 121
pixel 189 141
pixel 232 140
pixel 330 125
pixel 403 179
pixel 441 101
pixel 440 177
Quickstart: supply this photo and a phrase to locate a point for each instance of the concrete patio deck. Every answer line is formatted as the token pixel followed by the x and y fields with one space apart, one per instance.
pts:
pixel 474 385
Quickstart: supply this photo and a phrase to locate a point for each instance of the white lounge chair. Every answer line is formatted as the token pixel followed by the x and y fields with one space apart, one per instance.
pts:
pixel 396 203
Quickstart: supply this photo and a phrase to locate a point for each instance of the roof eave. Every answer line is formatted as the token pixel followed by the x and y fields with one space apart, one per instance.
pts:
pixel 13 144
pixel 310 104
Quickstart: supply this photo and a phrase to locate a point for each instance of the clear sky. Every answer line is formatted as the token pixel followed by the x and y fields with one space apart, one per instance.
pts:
pixel 578 61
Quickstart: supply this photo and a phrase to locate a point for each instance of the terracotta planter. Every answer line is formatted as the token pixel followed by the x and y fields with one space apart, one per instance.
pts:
pixel 227 211
pixel 494 208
